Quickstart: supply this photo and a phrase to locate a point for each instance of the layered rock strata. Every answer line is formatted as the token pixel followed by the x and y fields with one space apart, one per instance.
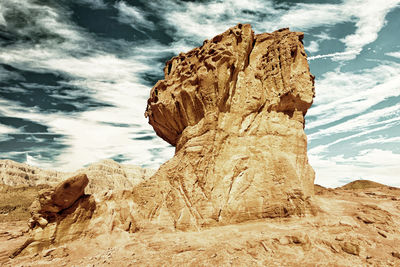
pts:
pixel 103 175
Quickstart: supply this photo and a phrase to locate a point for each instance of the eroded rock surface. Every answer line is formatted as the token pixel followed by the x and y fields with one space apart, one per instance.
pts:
pixel 336 236
pixel 103 175
pixel 19 174
pixel 52 201
pixel 234 108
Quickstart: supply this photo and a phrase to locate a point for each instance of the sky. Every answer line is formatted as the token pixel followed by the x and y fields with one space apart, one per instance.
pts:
pixel 75 76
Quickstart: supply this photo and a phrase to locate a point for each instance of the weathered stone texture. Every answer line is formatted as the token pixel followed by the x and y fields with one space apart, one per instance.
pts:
pixel 234 108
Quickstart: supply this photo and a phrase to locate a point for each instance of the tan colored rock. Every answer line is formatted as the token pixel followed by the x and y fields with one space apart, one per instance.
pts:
pixel 17 174
pixel 92 233
pixel 350 248
pixel 63 195
pixel 234 108
pixel 110 175
pixel 52 201
pixel 103 175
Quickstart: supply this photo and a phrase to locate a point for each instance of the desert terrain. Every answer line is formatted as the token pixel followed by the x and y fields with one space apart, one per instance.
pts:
pixel 239 190
pixel 356 225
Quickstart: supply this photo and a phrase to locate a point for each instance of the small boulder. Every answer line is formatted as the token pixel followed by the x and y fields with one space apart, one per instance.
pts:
pixel 350 248
pixel 66 193
pixel 63 195
pixel 54 200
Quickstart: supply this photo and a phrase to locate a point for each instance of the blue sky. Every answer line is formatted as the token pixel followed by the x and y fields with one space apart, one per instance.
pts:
pixel 75 77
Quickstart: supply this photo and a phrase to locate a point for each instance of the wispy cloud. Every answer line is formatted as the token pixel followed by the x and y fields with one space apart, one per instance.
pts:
pixel 37 22
pixel 393 54
pixel 370 16
pixel 313 47
pixel 97 4
pixel 340 95
pixel 373 164
pixel 133 16
pixel 2 20
pixel 379 140
pixel 79 56
pixel 336 55
pixel 349 106
pixel 214 17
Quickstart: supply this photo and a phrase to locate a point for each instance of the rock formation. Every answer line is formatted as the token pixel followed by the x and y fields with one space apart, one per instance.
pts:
pixel 19 174
pixel 52 201
pixel 103 175
pixel 234 109
pixel 354 227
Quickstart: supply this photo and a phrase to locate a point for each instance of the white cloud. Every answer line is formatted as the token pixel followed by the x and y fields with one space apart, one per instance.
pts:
pixel 2 20
pixel 370 16
pixel 377 165
pixel 393 54
pixel 337 55
pixel 4 129
pixel 339 95
pixel 313 47
pixel 97 4
pixel 306 16
pixel 379 140
pixel 110 80
pixel 133 16
pixel 94 134
pixel 323 36
pixel 362 122
pixel 199 21
pixel 215 17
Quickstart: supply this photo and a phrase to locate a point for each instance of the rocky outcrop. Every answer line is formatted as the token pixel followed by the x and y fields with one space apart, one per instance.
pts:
pixel 354 227
pixel 103 175
pixel 234 109
pixel 52 201
pixel 19 174
pixel 59 214
pixel 110 175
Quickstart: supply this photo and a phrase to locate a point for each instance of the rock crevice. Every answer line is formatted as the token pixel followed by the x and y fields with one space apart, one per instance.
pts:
pixel 234 109
pixel 238 96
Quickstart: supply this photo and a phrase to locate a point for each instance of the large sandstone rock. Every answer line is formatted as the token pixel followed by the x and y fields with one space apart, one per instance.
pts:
pixel 234 108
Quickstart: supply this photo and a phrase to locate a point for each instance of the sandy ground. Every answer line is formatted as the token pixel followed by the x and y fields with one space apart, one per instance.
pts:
pixel 351 228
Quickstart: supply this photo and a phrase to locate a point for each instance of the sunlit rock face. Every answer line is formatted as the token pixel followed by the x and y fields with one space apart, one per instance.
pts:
pixel 234 109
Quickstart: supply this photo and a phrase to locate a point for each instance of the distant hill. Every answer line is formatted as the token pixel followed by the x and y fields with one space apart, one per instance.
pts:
pixel 15 201
pixel 362 184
